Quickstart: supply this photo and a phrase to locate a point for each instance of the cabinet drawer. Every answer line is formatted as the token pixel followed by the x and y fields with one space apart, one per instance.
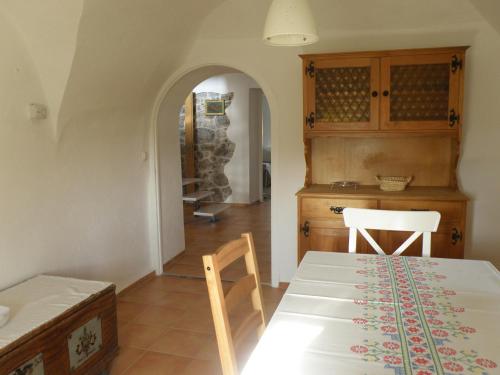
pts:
pixel 332 208
pixel 450 211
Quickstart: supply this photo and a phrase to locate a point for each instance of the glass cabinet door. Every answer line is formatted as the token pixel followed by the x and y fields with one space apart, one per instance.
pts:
pixel 420 92
pixel 342 94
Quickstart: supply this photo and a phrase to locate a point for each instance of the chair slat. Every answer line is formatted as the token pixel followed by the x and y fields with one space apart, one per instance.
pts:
pixel 420 221
pixel 371 241
pixel 407 243
pixel 250 323
pixel 239 291
pixel 231 251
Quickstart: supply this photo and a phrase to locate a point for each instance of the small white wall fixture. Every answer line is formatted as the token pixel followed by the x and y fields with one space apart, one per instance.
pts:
pixel 167 105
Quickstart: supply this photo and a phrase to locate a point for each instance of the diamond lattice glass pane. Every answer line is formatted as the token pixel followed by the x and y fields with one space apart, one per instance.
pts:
pixel 343 94
pixel 419 92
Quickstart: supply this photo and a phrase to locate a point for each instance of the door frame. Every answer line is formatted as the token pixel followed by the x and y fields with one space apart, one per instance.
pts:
pixel 183 81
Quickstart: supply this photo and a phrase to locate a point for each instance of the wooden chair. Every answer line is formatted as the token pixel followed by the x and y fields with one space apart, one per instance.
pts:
pixel 223 305
pixel 419 222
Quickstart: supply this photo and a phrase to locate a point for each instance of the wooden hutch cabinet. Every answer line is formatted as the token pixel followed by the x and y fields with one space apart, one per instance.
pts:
pixel 388 113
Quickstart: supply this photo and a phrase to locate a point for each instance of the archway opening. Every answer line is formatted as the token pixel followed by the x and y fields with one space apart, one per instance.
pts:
pixel 230 156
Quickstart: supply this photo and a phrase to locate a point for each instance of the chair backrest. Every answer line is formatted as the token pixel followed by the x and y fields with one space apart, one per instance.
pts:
pixel 419 222
pixel 222 305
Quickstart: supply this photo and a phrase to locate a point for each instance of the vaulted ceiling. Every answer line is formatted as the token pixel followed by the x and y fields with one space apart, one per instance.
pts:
pixel 94 54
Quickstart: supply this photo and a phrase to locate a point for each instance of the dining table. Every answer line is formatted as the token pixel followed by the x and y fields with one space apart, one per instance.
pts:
pixel 373 314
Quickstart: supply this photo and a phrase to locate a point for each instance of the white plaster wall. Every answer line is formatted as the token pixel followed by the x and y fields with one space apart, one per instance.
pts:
pixel 75 208
pixel 238 168
pixel 266 130
pixel 255 141
pixel 65 210
pixel 49 30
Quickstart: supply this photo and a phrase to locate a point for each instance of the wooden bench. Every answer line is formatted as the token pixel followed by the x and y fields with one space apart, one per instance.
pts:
pixel 59 326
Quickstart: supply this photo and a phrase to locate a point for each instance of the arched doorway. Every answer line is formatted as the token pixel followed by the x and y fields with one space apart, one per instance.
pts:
pixel 167 208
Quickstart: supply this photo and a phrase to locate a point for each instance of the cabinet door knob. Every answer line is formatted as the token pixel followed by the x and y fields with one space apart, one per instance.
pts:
pixel 374 93
pixel 456 236
pixel 305 229
pixel 337 210
pixel 386 93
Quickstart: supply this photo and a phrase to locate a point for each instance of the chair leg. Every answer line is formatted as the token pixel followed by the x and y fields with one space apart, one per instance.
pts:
pixel 353 234
pixel 426 248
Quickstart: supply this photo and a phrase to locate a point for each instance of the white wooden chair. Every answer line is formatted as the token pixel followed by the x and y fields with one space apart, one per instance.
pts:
pixel 419 222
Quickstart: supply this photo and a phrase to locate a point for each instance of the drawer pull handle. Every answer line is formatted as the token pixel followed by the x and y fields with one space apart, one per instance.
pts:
pixel 305 229
pixel 456 236
pixel 337 210
pixel 419 209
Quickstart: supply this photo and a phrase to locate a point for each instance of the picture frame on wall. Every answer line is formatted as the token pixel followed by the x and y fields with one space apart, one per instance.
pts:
pixel 215 107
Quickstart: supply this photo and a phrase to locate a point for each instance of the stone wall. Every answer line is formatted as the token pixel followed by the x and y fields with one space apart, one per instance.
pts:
pixel 213 149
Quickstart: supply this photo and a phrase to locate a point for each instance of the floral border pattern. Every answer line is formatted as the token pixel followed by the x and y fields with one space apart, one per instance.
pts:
pixel 402 301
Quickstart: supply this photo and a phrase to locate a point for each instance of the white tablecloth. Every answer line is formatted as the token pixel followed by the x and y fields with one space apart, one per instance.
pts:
pixel 371 314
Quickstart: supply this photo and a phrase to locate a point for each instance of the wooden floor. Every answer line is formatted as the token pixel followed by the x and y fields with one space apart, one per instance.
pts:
pixel 165 327
pixel 204 237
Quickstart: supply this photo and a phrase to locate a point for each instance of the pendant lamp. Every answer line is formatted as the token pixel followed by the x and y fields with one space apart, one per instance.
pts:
pixel 290 23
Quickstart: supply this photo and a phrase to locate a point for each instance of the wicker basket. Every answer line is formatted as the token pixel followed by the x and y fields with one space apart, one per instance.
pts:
pixel 393 183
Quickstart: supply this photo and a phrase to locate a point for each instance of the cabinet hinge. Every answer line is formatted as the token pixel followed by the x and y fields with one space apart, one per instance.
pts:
pixel 454 118
pixel 310 120
pixel 305 229
pixel 310 69
pixel 456 63
pixel 456 236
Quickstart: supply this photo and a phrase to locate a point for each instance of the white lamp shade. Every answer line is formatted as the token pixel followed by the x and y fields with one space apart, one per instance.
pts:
pixel 290 23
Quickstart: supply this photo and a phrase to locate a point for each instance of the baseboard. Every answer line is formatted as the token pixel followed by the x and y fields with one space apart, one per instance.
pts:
pixel 137 284
pixel 245 204
pixel 143 280
pixel 173 259
pixel 283 286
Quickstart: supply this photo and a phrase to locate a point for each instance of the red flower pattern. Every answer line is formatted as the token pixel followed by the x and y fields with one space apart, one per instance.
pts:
pixel 421 361
pixel 467 329
pixel 439 333
pixel 408 310
pixel 486 363
pixel 418 349
pixel 392 360
pixel 453 366
pixel 391 345
pixel 447 351
pixel 360 321
pixel 435 322
pixel 359 349
pixel 388 329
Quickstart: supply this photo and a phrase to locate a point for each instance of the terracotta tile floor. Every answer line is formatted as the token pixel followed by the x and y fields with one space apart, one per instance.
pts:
pixel 165 327
pixel 204 237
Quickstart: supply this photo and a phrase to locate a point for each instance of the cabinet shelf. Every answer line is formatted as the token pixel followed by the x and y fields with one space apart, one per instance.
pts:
pixel 374 192
pixel 452 133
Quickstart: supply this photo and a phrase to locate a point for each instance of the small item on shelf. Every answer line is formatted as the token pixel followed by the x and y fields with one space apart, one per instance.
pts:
pixel 393 183
pixel 343 185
